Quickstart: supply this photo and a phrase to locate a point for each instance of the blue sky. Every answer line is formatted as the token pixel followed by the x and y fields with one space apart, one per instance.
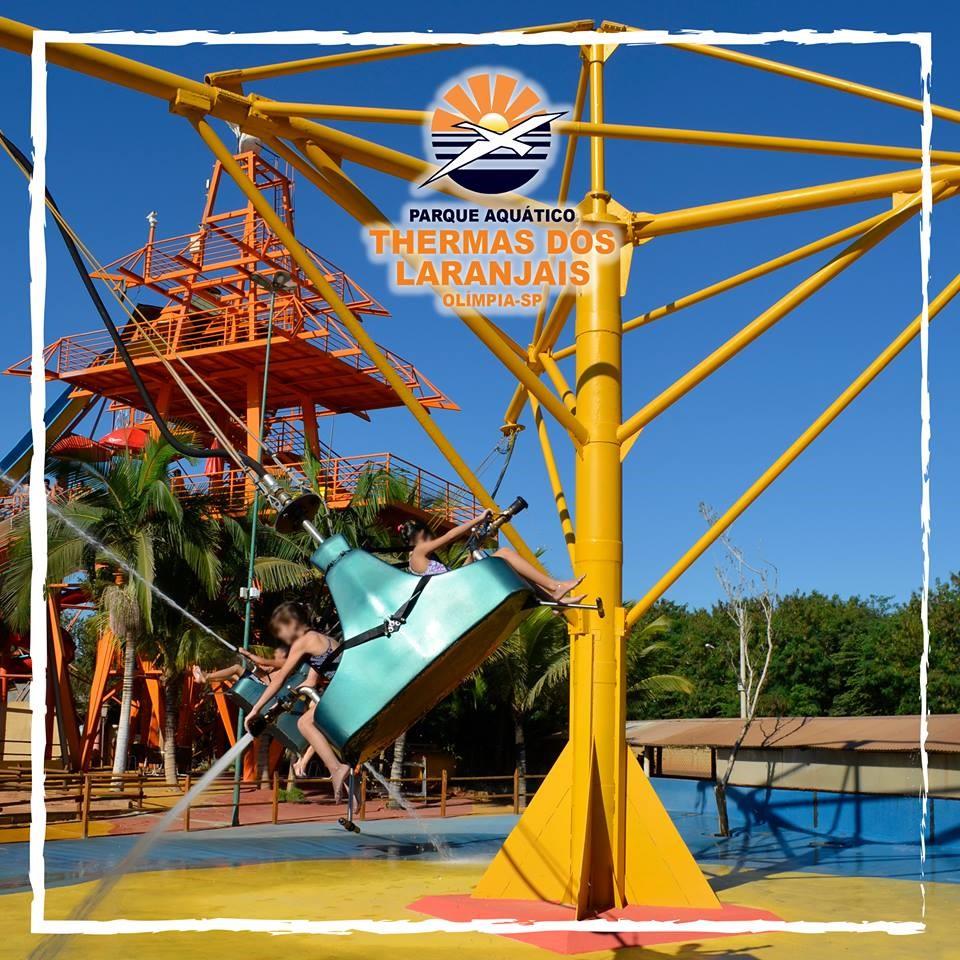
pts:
pixel 844 519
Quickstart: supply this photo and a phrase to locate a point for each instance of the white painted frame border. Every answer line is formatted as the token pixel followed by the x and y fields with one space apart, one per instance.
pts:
pixel 37 495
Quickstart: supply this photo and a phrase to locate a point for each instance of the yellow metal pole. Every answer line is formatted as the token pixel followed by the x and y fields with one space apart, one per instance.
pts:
pixel 789 201
pixel 722 523
pixel 290 67
pixel 559 381
pixel 556 485
pixel 597 689
pixel 575 843
pixel 748 141
pixel 343 314
pixel 761 270
pixel 812 76
pixel 803 291
pixel 98 63
pixel 548 337
pixel 566 172
pixel 575 129
pixel 482 328
pixel 565 176
pixel 338 111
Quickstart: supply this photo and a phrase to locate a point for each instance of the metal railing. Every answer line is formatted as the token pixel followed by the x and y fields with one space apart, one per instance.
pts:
pixel 101 795
pixel 337 480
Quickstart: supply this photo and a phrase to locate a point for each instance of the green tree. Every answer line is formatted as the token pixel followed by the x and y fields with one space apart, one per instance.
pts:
pixel 124 526
pixel 534 662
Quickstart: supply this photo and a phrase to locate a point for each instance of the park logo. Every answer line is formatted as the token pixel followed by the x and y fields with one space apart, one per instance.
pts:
pixel 490 133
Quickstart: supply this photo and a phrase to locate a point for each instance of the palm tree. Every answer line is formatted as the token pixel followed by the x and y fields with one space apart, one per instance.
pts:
pixel 174 649
pixel 124 526
pixel 535 660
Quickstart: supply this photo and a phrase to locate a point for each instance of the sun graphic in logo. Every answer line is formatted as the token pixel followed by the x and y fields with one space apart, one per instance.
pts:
pixel 491 133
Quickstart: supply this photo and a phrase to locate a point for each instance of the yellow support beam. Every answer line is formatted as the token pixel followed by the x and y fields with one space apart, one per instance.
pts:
pixel 290 67
pixel 263 206
pixel 575 129
pixel 559 381
pixel 595 835
pixel 333 111
pixel 745 276
pixel 566 173
pixel 556 485
pixel 556 321
pixel 723 522
pixel 788 201
pixel 803 291
pixel 569 156
pixel 749 141
pixel 94 62
pixel 812 76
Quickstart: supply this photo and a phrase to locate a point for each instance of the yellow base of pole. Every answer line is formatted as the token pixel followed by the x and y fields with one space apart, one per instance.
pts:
pixel 538 860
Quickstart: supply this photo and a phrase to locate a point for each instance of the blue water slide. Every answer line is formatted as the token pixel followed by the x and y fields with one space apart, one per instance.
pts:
pixel 60 416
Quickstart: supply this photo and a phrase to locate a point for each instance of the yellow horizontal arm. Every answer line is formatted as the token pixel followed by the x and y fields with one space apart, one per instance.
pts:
pixel 331 111
pixel 831 413
pixel 101 64
pixel 623 131
pixel 745 276
pixel 290 67
pixel 812 76
pixel 803 291
pixel 749 141
pixel 788 201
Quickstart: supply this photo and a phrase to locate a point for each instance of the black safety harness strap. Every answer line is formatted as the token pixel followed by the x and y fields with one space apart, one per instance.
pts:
pixel 391 624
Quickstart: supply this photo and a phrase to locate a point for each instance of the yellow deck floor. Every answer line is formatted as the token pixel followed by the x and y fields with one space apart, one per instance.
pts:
pixel 382 889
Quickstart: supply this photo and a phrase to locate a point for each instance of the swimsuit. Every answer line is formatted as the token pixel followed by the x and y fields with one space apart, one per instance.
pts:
pixel 433 568
pixel 321 661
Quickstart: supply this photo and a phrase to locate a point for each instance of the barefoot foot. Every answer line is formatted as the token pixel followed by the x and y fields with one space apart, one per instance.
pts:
pixel 564 587
pixel 337 779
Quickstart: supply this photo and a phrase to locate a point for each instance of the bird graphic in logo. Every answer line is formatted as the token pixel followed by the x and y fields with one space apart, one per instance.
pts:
pixel 494 139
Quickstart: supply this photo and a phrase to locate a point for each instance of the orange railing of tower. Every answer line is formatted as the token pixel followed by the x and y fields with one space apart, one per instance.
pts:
pixel 337 480
pixel 201 331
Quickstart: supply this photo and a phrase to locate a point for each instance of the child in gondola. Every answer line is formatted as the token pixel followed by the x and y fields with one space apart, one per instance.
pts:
pixel 264 665
pixel 423 561
pixel 291 625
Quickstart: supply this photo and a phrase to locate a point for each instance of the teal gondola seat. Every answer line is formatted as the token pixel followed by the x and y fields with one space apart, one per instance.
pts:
pixel 408 640
pixel 247 691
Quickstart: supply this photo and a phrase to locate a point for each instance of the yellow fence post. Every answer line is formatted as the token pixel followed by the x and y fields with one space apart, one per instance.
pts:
pixel 443 792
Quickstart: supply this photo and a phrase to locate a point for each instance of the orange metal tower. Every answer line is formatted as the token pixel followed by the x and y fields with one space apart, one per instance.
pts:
pixel 213 287
pixel 203 301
